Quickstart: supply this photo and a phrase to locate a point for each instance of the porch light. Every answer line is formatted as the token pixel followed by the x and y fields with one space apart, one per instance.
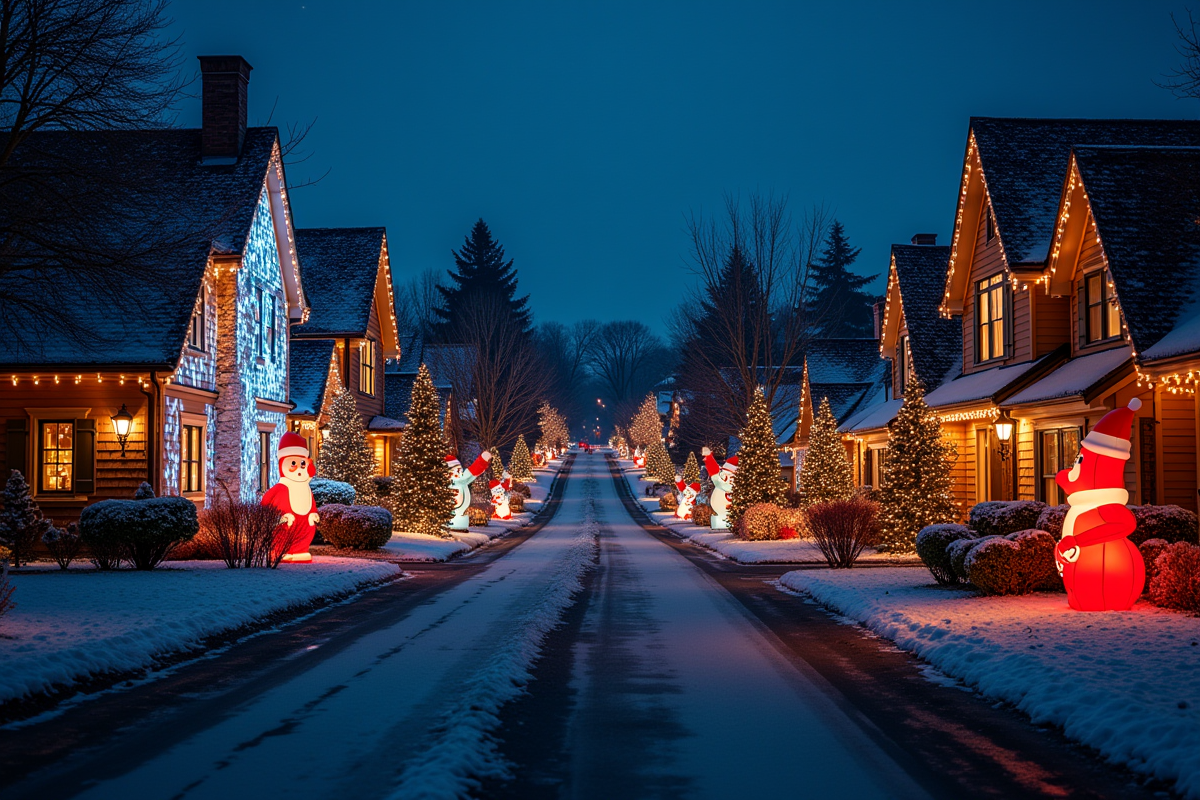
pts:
pixel 1004 430
pixel 122 421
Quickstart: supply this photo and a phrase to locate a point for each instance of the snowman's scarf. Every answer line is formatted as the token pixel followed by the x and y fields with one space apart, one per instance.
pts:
pixel 1085 500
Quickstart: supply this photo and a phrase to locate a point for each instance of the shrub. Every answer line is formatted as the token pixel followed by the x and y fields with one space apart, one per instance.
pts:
pixel 795 520
pixel 760 522
pixel 242 534
pixel 144 492
pixel 63 544
pixel 958 551
pixel 1051 520
pixel 702 514
pixel 1002 517
pixel 1169 523
pixel 1019 563
pixel 1177 582
pixel 22 523
pixel 668 502
pixel 327 491
pixel 516 503
pixel 356 527
pixel 519 488
pixel 6 590
pixel 1151 550
pixel 143 532
pixel 842 528
pixel 384 485
pixel 478 517
pixel 932 544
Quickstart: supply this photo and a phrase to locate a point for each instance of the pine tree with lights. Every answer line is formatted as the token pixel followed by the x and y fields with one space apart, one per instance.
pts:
pixel 916 483
pixel 426 503
pixel 496 468
pixel 759 478
pixel 658 464
pixel 646 427
pixel 346 455
pixel 520 464
pixel 826 473
pixel 691 469
pixel 553 426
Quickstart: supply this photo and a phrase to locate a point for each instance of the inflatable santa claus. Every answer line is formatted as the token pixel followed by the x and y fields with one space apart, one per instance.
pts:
pixel 722 493
pixel 293 498
pixel 499 491
pixel 460 483
pixel 1101 568
pixel 639 460
pixel 687 494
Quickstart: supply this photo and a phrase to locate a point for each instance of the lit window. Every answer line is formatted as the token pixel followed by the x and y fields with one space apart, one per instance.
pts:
pixel 366 364
pixel 1101 318
pixel 1058 451
pixel 57 457
pixel 379 444
pixel 904 365
pixel 990 302
pixel 196 330
pixel 264 461
pixel 191 459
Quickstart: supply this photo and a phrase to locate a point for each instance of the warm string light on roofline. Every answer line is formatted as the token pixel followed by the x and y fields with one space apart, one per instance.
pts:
pixel 77 379
pixel 887 301
pixel 1176 383
pixel 972 414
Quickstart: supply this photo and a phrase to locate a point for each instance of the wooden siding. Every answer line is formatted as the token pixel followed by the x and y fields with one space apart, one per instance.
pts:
pixel 1177 450
pixel 962 435
pixel 1051 320
pixel 368 406
pixel 1091 257
pixel 1025 461
pixel 986 261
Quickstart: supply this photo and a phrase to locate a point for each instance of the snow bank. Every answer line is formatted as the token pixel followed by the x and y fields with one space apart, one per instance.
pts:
pixel 1125 683
pixel 69 626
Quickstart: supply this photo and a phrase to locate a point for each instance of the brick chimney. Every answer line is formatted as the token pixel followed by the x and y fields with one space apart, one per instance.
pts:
pixel 225 81
pixel 924 238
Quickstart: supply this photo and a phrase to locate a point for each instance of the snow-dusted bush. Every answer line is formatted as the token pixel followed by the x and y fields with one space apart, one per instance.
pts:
pixel 1151 550
pixel 63 544
pixel 1169 523
pixel 1019 563
pixel 327 491
pixel 1051 519
pixel 760 522
pixel 1177 582
pixel 356 527
pixel 932 544
pixel 702 514
pixel 143 532
pixel 519 488
pixel 1002 517
pixel 668 502
pixel 144 492
pixel 22 523
pixel 478 516
pixel 842 528
pixel 516 503
pixel 958 551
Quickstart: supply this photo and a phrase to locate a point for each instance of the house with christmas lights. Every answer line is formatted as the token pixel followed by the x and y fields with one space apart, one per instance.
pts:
pixel 450 366
pixel 180 377
pixel 348 336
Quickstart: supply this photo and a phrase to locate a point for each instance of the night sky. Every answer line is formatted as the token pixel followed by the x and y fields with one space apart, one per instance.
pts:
pixel 584 135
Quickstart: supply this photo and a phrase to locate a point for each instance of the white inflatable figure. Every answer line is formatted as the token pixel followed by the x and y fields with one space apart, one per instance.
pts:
pixel 461 482
pixel 722 493
pixel 639 460
pixel 687 498
pixel 499 491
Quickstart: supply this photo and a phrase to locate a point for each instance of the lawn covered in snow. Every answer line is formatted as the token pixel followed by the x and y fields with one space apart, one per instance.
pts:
pixel 1126 683
pixel 69 626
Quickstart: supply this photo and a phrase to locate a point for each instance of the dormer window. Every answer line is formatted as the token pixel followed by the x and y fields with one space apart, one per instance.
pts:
pixel 991 311
pixel 903 365
pixel 196 329
pixel 366 367
pixel 1101 317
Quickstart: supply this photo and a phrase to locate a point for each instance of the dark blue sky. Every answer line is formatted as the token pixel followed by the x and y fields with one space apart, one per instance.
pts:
pixel 583 135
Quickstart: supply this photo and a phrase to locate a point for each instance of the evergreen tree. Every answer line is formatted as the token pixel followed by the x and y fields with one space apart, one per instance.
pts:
pixel 646 427
pixel 519 463
pixel 758 478
pixel 555 432
pixel 691 469
pixel 426 503
pixel 917 468
pixel 496 468
pixel 730 307
pixel 481 276
pixel 826 473
pixel 658 464
pixel 346 455
pixel 839 305
pixel 22 524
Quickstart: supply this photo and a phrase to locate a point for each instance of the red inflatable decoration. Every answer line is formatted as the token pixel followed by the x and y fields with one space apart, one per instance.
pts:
pixel 1101 568
pixel 293 498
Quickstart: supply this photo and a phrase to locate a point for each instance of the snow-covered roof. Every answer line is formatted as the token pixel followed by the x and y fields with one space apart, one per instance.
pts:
pixel 1075 377
pixel 1023 162
pixel 340 268
pixel 385 424
pixel 155 216
pixel 845 360
pixel 934 342
pixel 874 416
pixel 308 374
pixel 987 385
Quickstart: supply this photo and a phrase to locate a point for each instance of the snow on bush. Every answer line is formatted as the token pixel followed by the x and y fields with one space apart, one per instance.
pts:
pixel 144 492
pixel 843 528
pixel 702 514
pixel 932 544
pixel 1019 563
pixel 760 522
pixel 1151 549
pixel 958 551
pixel 1051 519
pixel 1002 517
pixel 63 544
pixel 327 491
pixel 668 502
pixel 356 527
pixel 519 488
pixel 142 532
pixel 1176 582
pixel 1170 523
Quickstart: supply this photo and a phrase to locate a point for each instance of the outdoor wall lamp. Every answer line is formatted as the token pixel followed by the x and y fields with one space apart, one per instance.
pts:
pixel 122 421
pixel 1004 425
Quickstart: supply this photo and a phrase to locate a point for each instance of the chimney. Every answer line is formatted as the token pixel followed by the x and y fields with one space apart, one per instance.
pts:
pixel 225 80
pixel 924 238
pixel 877 310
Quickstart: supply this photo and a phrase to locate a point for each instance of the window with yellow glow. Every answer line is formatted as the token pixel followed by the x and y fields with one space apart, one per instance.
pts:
pixel 56 456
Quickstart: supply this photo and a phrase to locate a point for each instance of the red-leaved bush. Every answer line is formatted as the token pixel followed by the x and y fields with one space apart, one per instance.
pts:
pixel 1176 582
pixel 244 534
pixel 842 528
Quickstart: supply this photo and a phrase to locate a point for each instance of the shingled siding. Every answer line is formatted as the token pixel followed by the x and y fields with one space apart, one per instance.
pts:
pixel 368 405
pixel 987 261
pixel 1177 445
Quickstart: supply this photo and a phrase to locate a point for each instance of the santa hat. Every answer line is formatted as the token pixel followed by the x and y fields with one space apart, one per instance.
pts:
pixel 292 444
pixel 1110 437
pixel 452 461
pixel 695 487
pixel 494 485
pixel 730 464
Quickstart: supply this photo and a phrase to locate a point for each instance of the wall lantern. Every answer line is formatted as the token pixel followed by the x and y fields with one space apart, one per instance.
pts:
pixel 1004 425
pixel 122 421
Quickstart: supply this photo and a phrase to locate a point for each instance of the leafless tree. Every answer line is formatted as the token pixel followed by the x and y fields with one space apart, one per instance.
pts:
pixel 1184 80
pixel 627 358
pixel 416 301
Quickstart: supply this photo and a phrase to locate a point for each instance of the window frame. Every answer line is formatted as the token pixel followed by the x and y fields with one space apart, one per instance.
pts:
pixel 264 461
pixel 992 286
pixel 1046 473
pixel 269 323
pixel 366 368
pixel 41 457
pixel 198 329
pixel 904 364
pixel 192 453
pixel 1106 305
pixel 258 322
pixel 989 225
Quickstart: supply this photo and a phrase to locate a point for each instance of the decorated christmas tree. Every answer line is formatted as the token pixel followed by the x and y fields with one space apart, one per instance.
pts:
pixel 519 463
pixel 496 468
pixel 658 463
pixel 22 524
pixel 646 428
pixel 427 502
pixel 346 454
pixel 691 469
pixel 758 478
pixel 555 432
pixel 826 473
pixel 916 473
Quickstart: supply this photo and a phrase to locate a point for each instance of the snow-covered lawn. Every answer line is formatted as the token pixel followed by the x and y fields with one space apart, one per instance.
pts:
pixel 1126 683
pixel 784 551
pixel 69 626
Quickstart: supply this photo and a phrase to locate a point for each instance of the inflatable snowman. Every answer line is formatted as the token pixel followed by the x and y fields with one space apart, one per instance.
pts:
pixel 687 494
pixel 722 493
pixel 460 482
pixel 499 491
pixel 293 499
pixel 1101 569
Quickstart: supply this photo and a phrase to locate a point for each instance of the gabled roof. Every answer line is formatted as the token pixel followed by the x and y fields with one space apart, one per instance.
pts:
pixel 934 342
pixel 1079 377
pixel 341 268
pixel 844 361
pixel 309 364
pixel 997 384
pixel 167 199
